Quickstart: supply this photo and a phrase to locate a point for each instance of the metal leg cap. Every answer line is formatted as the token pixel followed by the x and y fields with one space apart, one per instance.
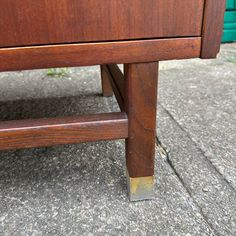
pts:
pixel 140 188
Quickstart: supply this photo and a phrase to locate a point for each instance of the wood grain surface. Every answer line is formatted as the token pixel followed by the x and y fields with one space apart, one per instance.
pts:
pixel 116 79
pixel 106 85
pixel 141 103
pixel 54 131
pixel 86 54
pixel 212 27
pixel 37 22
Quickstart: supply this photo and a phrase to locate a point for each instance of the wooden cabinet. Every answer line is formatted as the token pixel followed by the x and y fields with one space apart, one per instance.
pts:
pixel 138 33
pixel 37 22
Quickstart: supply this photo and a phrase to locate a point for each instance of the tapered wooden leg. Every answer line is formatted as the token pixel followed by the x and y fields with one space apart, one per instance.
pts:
pixel 140 104
pixel 106 85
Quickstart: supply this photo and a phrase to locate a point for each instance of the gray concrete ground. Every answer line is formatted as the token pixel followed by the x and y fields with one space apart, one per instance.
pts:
pixel 81 189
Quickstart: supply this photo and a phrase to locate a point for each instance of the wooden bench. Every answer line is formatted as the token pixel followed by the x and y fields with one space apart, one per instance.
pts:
pixel 137 33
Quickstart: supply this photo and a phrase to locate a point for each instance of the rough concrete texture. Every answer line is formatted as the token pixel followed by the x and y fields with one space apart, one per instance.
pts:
pixel 81 189
pixel 202 100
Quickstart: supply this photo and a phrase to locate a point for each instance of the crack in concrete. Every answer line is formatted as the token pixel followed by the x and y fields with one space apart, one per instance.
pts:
pixel 165 153
pixel 199 149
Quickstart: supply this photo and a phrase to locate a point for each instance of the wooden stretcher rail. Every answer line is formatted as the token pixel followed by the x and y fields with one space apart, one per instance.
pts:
pixel 116 78
pixel 54 131
pixel 86 54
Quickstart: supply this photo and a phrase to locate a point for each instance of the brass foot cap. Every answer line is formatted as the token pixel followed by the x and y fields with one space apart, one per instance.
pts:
pixel 140 188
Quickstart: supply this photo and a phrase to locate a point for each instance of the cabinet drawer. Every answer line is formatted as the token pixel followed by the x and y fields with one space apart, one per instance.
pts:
pixel 39 22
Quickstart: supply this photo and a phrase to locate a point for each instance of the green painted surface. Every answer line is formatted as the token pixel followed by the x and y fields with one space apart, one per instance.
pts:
pixel 229 34
pixel 230 17
pixel 230 4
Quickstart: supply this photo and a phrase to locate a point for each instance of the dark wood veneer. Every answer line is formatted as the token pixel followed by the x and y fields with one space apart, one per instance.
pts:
pixel 212 27
pixel 140 105
pixel 116 78
pixel 54 131
pixel 86 54
pixel 40 22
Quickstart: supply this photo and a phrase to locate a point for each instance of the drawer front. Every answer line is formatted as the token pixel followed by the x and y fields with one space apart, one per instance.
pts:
pixel 39 22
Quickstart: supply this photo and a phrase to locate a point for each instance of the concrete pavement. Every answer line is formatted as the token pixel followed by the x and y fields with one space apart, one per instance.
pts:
pixel 81 189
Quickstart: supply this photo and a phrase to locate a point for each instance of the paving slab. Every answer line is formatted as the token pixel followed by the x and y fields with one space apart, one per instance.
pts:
pixel 208 188
pixel 81 189
pixel 201 96
pixel 197 127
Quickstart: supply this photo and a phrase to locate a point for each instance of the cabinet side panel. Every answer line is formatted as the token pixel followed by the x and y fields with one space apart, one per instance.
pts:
pixel 212 27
